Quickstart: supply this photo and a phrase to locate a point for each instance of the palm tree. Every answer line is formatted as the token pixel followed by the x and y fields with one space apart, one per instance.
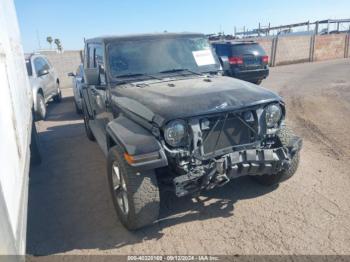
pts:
pixel 49 40
pixel 58 44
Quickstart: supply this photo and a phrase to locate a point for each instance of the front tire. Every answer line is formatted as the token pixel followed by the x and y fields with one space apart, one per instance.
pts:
pixel 135 193
pixel 86 117
pixel 285 135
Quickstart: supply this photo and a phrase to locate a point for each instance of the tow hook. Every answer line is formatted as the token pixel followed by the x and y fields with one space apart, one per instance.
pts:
pixel 295 145
pixel 221 179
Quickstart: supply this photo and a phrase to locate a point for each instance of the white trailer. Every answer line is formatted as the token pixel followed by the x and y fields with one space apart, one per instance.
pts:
pixel 15 134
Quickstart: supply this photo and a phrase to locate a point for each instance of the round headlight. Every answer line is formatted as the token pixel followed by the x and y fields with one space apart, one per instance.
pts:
pixel 175 133
pixel 273 114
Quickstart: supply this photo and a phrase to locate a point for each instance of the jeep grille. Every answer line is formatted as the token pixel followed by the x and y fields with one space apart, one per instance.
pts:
pixel 227 131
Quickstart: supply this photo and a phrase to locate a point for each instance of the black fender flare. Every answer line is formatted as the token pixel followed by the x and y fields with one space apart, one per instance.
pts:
pixel 137 142
pixel 86 101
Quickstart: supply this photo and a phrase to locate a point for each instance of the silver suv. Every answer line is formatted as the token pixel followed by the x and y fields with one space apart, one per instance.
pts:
pixel 44 82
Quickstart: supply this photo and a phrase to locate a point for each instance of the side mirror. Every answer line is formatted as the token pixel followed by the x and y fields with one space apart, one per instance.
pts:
pixel 92 76
pixel 43 72
pixel 71 74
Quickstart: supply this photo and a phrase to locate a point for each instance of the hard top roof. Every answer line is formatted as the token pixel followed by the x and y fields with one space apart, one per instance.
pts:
pixel 107 39
pixel 28 56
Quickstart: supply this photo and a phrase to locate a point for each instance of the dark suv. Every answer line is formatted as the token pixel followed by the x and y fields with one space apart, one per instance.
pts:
pixel 164 115
pixel 244 60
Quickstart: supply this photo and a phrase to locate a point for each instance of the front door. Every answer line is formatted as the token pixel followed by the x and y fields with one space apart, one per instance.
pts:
pixel 98 95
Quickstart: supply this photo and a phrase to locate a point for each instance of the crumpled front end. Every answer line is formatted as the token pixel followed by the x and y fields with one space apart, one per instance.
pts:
pixel 228 145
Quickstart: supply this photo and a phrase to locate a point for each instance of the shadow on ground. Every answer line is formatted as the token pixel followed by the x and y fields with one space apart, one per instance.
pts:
pixel 69 204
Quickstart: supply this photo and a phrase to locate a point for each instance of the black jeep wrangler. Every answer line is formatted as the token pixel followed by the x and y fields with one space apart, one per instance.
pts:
pixel 162 112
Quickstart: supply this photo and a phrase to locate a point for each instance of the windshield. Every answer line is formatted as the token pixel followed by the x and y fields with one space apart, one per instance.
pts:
pixel 247 49
pixel 153 56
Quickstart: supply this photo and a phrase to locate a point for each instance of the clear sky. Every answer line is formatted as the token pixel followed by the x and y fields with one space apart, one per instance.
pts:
pixel 71 21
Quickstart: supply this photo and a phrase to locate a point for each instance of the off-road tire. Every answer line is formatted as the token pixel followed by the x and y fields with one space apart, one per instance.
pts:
pixel 86 118
pixel 284 134
pixel 142 192
pixel 58 98
pixel 40 110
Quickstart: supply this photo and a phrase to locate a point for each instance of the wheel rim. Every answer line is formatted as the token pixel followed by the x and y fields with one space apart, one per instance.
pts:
pixel 119 189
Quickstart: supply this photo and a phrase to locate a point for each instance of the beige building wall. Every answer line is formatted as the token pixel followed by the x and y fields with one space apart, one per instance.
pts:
pixel 293 49
pixel 65 62
pixel 329 47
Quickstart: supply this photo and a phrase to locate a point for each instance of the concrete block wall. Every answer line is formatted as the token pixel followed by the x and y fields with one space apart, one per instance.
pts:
pixel 292 49
pixel 329 47
pixel 297 49
pixel 266 44
pixel 65 62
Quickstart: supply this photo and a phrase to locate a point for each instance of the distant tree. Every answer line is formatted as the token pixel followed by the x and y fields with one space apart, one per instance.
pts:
pixel 49 40
pixel 58 44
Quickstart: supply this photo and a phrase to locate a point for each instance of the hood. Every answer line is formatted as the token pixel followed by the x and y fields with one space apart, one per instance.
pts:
pixel 171 99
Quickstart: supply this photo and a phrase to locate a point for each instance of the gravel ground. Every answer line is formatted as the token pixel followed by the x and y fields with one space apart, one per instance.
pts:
pixel 70 210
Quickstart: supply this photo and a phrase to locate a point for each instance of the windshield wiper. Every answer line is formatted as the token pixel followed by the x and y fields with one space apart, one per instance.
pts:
pixel 175 70
pixel 211 72
pixel 129 75
pixel 137 75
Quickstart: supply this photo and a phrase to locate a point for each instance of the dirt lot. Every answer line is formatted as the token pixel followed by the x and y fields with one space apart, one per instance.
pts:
pixel 70 210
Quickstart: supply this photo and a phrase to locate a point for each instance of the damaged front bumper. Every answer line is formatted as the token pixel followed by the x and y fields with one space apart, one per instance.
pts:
pixel 239 163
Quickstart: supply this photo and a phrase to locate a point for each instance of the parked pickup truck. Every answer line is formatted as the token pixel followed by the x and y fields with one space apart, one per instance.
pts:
pixel 162 112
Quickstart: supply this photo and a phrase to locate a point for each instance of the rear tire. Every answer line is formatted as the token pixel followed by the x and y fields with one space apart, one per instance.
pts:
pixel 285 134
pixel 135 193
pixel 257 82
pixel 88 130
pixel 77 109
pixel 40 110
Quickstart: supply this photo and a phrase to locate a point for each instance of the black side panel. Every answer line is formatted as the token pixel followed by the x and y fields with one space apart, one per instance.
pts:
pixel 135 139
